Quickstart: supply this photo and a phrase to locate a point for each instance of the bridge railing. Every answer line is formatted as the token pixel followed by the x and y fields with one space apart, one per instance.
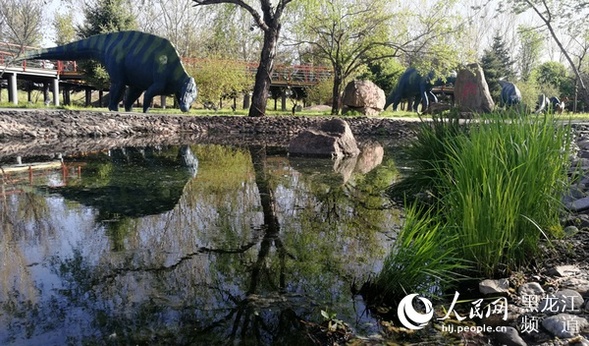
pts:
pixel 305 74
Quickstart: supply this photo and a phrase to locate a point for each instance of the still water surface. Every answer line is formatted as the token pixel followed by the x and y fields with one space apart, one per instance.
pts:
pixel 199 244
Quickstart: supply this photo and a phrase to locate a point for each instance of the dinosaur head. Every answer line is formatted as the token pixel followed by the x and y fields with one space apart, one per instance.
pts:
pixel 187 94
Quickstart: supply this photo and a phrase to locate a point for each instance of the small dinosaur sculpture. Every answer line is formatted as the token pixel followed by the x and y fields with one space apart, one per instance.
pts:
pixel 141 61
pixel 413 86
pixel 510 94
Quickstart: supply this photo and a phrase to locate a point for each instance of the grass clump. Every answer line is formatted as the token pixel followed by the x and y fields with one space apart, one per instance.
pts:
pixel 495 188
pixel 422 260
pixel 501 189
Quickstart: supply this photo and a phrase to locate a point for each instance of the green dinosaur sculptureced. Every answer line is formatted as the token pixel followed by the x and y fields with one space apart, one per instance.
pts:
pixel 141 61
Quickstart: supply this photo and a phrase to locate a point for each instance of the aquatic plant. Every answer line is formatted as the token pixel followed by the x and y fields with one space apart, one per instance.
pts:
pixel 495 192
pixel 501 186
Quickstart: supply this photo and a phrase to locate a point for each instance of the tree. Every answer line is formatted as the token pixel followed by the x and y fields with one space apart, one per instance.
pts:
pixel 64 28
pixel 353 35
pixel 217 78
pixel 550 13
pixel 105 16
pixel 529 51
pixel 497 64
pixel 175 20
pixel 345 33
pixel 20 21
pixel 270 22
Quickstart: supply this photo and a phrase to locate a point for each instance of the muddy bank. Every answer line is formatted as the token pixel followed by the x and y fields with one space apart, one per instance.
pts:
pixel 23 124
pixel 37 132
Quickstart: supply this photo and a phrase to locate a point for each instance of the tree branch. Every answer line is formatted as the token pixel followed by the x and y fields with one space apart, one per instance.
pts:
pixel 257 17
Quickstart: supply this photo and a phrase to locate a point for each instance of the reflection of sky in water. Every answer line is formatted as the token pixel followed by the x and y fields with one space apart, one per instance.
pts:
pixel 65 280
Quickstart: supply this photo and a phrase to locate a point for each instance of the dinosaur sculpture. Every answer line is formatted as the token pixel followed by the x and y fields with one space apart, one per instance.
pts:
pixel 510 94
pixel 557 105
pixel 414 87
pixel 141 61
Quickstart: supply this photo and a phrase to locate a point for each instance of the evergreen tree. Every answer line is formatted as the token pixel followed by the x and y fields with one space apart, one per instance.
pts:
pixel 105 16
pixel 497 64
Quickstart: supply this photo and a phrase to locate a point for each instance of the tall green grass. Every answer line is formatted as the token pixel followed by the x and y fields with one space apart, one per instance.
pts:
pixel 423 259
pixel 501 189
pixel 497 190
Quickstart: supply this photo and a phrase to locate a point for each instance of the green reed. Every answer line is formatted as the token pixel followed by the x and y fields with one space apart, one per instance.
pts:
pixel 501 189
pixel 496 187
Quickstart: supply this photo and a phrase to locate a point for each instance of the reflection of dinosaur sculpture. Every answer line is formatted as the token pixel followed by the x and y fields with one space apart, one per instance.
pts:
pixel 140 181
pixel 141 61
pixel 413 86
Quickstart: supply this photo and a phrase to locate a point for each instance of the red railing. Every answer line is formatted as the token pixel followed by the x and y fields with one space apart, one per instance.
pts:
pixel 283 74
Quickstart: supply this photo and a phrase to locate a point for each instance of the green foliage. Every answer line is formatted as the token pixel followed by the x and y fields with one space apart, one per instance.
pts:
pixel 345 33
pixel 501 182
pixel 428 151
pixel 105 16
pixel 320 93
pixel 530 91
pixel 497 64
pixel 551 76
pixel 423 259
pixel 531 42
pixel 384 73
pixel 63 24
pixel 218 78
pixel 494 189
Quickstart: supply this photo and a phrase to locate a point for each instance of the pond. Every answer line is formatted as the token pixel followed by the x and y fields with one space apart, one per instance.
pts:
pixel 192 244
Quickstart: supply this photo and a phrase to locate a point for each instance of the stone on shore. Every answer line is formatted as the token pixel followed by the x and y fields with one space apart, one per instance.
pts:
pixel 363 96
pixel 333 138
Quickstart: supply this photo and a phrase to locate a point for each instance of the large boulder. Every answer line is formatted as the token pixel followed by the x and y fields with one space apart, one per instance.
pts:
pixel 333 138
pixel 471 92
pixel 363 96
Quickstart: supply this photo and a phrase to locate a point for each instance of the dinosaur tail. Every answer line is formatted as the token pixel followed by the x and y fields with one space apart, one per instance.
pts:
pixel 90 48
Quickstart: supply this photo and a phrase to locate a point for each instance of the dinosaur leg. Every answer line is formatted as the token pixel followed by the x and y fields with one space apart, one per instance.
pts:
pixel 132 96
pixel 154 89
pixel 116 95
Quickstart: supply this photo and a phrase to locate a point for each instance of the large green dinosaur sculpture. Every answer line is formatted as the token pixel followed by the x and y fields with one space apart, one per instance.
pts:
pixel 141 61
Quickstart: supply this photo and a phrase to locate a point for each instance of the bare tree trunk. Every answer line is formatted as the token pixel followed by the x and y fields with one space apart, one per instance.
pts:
pixel 264 73
pixel 337 82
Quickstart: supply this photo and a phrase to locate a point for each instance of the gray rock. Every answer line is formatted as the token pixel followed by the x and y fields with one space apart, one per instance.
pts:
pixel 571 230
pixel 333 138
pixel 531 288
pixel 509 337
pixel 564 325
pixel 578 204
pixel 489 286
pixel 577 284
pixel 565 270
pixel 583 144
pixel 581 163
pixel 363 96
pixel 565 300
pixel 579 220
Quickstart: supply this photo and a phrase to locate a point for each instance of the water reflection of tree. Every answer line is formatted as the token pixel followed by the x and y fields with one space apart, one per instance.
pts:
pixel 248 324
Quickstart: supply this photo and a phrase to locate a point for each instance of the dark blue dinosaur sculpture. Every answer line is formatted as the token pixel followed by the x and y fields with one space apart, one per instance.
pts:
pixel 416 88
pixel 557 105
pixel 141 61
pixel 510 94
pixel 411 85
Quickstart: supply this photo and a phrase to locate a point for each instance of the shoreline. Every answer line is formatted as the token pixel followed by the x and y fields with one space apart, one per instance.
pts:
pixel 39 123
